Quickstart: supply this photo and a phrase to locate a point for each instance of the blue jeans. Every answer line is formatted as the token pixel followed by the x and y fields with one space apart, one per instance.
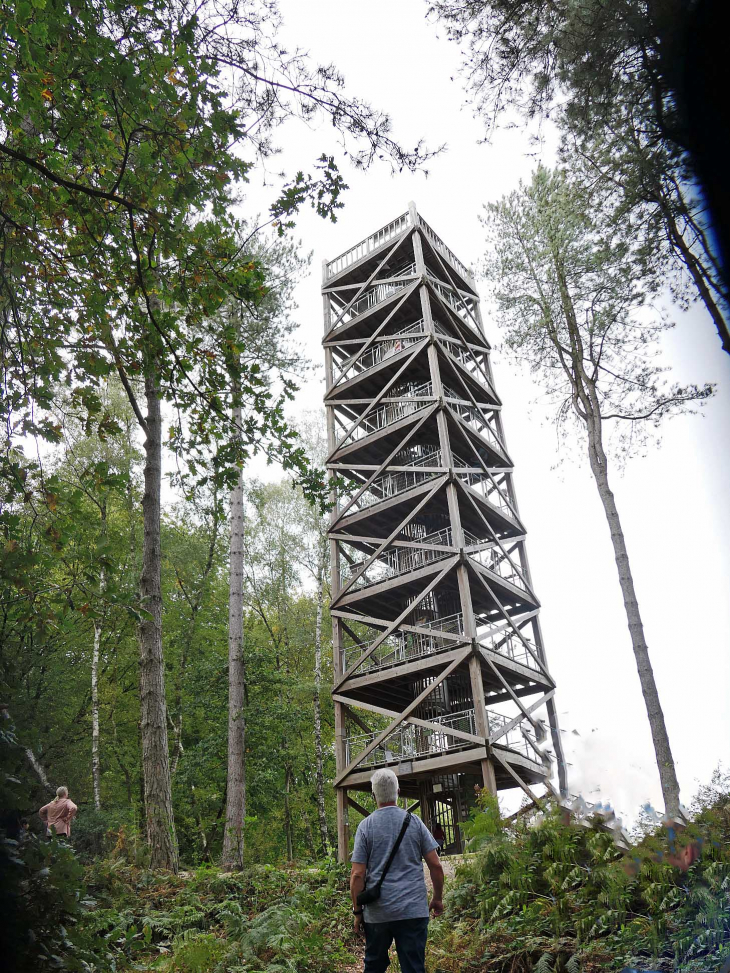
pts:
pixel 410 944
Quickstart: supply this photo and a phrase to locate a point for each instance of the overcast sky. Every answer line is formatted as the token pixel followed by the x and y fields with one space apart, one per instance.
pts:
pixel 673 502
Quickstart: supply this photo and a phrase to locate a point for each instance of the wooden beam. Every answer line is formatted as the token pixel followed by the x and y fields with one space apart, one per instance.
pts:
pixel 367 283
pixel 389 539
pixel 393 625
pixel 358 807
pixel 416 721
pixel 517 778
pixel 400 719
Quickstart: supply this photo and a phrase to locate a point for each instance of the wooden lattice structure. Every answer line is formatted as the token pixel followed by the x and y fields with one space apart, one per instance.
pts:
pixel 440 669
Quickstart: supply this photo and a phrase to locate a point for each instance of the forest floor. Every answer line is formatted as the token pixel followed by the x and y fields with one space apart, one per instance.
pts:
pixel 554 897
pixel 264 920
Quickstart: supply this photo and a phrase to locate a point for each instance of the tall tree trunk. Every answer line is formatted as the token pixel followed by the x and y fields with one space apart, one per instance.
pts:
pixel 588 407
pixel 153 706
pixel 194 600
pixel 204 845
pixel 660 737
pixel 694 266
pixel 319 764
pixel 177 725
pixel 233 839
pixel 95 763
pixel 287 815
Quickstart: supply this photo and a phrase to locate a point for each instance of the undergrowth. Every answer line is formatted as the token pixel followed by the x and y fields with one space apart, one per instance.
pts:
pixel 263 920
pixel 553 895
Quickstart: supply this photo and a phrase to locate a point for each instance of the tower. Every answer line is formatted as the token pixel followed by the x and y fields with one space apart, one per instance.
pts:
pixel 440 670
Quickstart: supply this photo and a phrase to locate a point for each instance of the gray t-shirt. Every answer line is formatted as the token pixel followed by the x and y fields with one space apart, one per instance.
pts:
pixel 403 895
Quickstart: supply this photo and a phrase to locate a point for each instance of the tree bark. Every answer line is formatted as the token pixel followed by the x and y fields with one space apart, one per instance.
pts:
pixel 660 737
pixel 194 600
pixel 153 705
pixel 588 407
pixel 319 763
pixel 694 266
pixel 95 763
pixel 233 839
pixel 287 815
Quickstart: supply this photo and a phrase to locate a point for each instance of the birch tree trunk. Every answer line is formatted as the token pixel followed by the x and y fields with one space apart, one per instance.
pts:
pixel 233 838
pixel 95 763
pixel 153 705
pixel 319 764
pixel 287 815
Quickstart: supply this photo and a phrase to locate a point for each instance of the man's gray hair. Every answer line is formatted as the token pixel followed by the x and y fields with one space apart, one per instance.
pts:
pixel 384 784
pixel 62 791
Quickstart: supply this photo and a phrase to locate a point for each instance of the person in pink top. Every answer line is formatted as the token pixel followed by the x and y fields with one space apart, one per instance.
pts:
pixel 58 815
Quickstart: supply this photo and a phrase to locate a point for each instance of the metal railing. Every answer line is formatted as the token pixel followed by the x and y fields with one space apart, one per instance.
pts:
pixel 376 295
pixel 451 624
pixel 382 351
pixel 469 415
pixel 374 242
pixel 404 647
pixel 468 362
pixel 494 560
pixel 401 560
pixel 480 482
pixel 409 741
pixel 392 651
pixel 391 484
pixel 509 644
pixel 385 415
pixel 449 393
pixel 513 739
pixel 385 235
pixel 456 303
pixel 443 249
pixel 362 364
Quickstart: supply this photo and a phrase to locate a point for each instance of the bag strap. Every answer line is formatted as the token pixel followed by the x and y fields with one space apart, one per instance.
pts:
pixel 394 849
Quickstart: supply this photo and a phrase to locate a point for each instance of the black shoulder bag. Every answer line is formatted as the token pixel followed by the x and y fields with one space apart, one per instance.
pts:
pixel 373 894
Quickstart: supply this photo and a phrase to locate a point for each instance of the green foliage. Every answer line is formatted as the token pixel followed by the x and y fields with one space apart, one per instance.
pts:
pixel 611 75
pixel 485 822
pixel 264 920
pixel 575 291
pixel 553 895
pixel 42 893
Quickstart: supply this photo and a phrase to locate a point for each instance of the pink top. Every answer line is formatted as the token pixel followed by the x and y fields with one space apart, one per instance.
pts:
pixel 59 814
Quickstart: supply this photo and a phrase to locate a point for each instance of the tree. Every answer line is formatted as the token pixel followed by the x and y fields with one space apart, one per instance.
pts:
pixel 100 467
pixel 120 160
pixel 263 335
pixel 276 542
pixel 574 292
pixel 612 75
pixel 316 561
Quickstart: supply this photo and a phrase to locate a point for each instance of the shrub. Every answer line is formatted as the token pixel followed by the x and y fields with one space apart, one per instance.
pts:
pixel 557 895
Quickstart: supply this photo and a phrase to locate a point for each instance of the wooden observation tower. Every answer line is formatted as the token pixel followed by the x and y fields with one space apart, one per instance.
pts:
pixel 440 670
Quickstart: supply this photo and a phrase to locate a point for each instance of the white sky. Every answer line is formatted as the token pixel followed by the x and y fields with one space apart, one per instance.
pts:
pixel 673 503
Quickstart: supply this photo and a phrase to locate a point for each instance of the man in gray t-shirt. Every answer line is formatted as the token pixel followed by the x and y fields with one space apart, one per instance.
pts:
pixel 401 913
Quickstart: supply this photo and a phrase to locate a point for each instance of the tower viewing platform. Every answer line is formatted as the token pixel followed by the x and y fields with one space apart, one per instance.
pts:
pixel 440 668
